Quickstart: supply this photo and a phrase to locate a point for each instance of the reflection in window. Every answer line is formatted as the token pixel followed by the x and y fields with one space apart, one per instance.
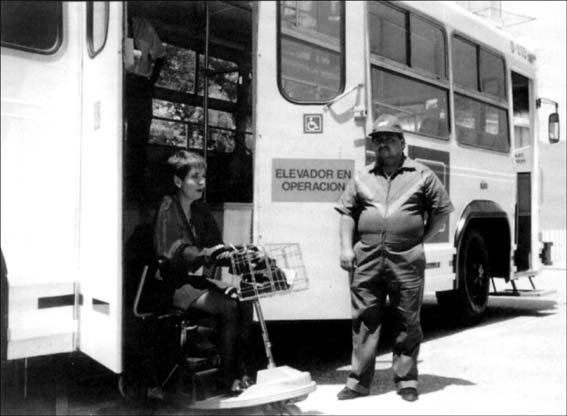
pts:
pixel 420 107
pixel 31 25
pixel 423 47
pixel 465 63
pixel 427 46
pixel 481 125
pixel 311 50
pixel 472 63
pixel 168 133
pixel 223 79
pixel 387 32
pixel 178 73
pixel 492 75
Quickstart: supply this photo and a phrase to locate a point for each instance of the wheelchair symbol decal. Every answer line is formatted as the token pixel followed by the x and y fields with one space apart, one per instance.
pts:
pixel 312 123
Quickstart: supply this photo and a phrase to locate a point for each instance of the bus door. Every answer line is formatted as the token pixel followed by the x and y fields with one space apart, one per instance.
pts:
pixel 306 150
pixel 100 252
pixel 39 171
pixel 524 156
pixel 206 43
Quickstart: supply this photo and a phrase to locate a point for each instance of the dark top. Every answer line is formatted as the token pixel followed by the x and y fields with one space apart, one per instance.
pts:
pixel 392 212
pixel 181 241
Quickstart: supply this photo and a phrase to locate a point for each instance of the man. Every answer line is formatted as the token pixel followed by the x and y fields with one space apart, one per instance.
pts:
pixel 393 209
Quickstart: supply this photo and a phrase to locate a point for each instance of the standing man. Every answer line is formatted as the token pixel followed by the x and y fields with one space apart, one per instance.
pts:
pixel 393 209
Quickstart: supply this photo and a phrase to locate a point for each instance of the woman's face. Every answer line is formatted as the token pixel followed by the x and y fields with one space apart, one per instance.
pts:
pixel 193 185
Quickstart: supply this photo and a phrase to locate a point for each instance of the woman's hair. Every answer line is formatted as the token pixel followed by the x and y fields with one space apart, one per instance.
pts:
pixel 183 161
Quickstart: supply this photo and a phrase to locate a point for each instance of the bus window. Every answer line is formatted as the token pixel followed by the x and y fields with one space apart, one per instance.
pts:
pixel 465 64
pixel 34 26
pixel 481 125
pixel 311 50
pixel 422 47
pixel 492 74
pixel 178 73
pixel 97 26
pixel 521 106
pixel 223 79
pixel 473 64
pixel 421 107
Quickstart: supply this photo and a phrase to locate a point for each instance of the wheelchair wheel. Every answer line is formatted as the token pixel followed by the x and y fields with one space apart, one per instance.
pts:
pixel 130 388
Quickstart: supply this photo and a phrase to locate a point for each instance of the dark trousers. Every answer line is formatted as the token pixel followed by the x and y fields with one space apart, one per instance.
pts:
pixel 399 276
pixel 235 321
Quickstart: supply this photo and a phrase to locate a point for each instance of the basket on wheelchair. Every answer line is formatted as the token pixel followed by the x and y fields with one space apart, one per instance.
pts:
pixel 268 270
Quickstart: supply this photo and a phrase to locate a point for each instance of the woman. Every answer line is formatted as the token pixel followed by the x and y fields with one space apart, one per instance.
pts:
pixel 188 237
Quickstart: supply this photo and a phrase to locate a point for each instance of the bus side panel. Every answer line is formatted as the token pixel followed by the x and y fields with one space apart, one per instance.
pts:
pixel 39 185
pixel 101 199
pixel 282 143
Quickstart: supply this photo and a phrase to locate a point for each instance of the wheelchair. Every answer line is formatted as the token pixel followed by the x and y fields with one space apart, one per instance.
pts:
pixel 162 336
pixel 258 273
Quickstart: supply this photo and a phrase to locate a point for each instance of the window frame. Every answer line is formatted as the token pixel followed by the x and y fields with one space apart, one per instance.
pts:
pixel 407 42
pixel 502 101
pixel 58 41
pixel 418 74
pixel 487 103
pixel 480 96
pixel 90 22
pixel 318 43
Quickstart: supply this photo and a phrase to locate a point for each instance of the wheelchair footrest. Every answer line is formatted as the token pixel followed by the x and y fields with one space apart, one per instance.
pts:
pixel 196 364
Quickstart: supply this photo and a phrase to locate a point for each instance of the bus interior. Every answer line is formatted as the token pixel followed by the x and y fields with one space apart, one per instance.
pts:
pixel 206 43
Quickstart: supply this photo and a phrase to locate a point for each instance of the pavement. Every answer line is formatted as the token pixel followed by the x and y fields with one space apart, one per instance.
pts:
pixel 514 362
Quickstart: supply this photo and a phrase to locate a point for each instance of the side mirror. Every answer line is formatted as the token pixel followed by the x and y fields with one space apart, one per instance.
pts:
pixel 553 128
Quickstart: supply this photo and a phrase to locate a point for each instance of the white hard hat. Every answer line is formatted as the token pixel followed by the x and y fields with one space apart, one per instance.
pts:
pixel 386 123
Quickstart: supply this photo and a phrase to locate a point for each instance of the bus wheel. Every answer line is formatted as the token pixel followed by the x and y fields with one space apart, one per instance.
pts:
pixel 474 278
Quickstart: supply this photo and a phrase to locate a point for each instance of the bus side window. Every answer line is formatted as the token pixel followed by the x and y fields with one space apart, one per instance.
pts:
pixel 311 50
pixel 34 26
pixel 97 26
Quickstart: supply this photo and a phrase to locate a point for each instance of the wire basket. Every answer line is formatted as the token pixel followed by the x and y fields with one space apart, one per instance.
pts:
pixel 268 270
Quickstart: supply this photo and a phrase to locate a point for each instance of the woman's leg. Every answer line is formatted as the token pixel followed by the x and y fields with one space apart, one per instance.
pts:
pixel 226 311
pixel 245 352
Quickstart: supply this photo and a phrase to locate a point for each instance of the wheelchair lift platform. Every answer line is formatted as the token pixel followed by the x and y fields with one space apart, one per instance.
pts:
pixel 276 384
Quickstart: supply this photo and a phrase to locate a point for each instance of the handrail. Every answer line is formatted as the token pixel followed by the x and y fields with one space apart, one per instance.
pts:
pixel 139 294
pixel 338 97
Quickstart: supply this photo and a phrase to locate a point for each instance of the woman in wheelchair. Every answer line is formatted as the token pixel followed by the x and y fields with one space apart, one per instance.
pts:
pixel 188 238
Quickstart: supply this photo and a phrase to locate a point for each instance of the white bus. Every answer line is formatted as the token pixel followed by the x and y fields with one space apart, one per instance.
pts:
pixel 279 96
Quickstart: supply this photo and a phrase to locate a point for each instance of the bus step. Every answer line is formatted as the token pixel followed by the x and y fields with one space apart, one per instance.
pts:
pixel 524 293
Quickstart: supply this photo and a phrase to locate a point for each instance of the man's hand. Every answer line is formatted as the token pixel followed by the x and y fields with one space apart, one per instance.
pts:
pixel 347 260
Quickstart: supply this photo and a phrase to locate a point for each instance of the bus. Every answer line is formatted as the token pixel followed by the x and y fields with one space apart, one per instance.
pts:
pixel 279 96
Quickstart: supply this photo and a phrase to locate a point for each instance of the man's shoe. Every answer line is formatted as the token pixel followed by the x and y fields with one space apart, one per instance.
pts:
pixel 348 394
pixel 409 394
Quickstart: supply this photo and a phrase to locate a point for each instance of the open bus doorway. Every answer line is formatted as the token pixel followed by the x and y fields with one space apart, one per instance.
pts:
pixel 205 43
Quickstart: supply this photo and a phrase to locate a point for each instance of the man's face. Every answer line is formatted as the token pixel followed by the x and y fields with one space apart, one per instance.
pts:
pixel 388 147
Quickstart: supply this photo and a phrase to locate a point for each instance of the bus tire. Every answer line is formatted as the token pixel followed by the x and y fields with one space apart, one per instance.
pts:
pixel 474 278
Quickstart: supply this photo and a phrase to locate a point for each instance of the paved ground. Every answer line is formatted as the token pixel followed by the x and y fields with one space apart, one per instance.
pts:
pixel 513 363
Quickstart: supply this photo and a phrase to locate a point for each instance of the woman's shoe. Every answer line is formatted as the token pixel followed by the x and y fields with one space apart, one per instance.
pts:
pixel 247 381
pixel 236 388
